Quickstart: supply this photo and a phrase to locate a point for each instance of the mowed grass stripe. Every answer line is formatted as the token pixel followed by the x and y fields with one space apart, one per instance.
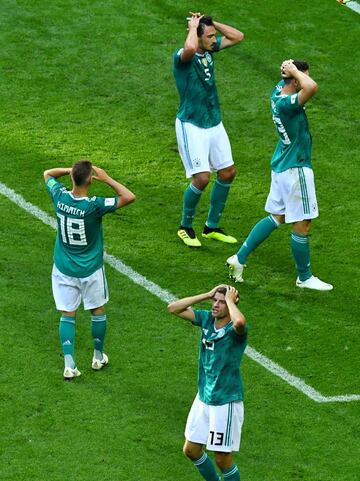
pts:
pixel 167 297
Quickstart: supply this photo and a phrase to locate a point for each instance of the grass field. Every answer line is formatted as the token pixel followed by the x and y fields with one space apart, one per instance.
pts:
pixel 93 79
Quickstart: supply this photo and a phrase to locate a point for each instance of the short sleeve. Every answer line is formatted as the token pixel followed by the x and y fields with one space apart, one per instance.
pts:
pixel 54 187
pixel 241 338
pixel 289 104
pixel 201 318
pixel 178 63
pixel 105 205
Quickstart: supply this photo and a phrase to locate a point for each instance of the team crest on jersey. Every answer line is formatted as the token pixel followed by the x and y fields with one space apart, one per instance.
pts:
pixel 204 62
pixel 208 57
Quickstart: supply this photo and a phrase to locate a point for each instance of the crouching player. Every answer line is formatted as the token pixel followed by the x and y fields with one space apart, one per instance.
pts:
pixel 78 271
pixel 216 416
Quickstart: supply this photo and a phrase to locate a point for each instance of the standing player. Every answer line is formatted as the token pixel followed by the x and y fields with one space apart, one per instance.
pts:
pixel 202 140
pixel 78 271
pixel 292 197
pixel 217 413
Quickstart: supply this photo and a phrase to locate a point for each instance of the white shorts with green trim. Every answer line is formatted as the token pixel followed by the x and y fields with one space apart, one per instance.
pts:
pixel 203 150
pixel 69 291
pixel 292 193
pixel 219 427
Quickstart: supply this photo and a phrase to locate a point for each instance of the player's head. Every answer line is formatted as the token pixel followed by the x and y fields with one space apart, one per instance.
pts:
pixel 300 65
pixel 219 308
pixel 206 33
pixel 81 173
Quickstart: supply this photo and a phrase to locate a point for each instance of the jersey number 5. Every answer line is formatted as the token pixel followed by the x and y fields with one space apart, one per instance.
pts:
pixel 72 230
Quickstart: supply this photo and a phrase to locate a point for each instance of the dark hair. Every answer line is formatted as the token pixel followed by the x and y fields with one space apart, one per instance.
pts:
pixel 205 20
pixel 221 290
pixel 81 171
pixel 300 65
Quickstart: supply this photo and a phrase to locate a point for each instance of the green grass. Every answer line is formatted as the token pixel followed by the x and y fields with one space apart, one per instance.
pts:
pixel 93 80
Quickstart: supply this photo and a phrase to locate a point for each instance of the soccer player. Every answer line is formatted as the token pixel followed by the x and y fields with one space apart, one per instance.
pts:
pixel 217 413
pixel 202 140
pixel 78 271
pixel 292 197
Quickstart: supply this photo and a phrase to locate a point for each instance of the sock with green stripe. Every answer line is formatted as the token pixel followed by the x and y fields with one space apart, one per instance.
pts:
pixel 300 248
pixel 98 329
pixel 191 199
pixel 231 474
pixel 67 338
pixel 218 197
pixel 206 468
pixel 258 234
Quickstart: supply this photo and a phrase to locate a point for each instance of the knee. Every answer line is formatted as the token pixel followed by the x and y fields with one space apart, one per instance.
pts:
pixel 228 174
pixel 303 227
pixel 201 180
pixel 191 452
pixel 223 460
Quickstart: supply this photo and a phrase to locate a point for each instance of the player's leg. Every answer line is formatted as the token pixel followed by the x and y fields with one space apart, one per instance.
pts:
pixel 67 339
pixel 227 466
pixel 95 295
pixel 67 296
pixel 98 330
pixel 221 161
pixel 193 149
pixel 301 208
pixel 261 230
pixel 225 434
pixel 196 435
pixel 300 248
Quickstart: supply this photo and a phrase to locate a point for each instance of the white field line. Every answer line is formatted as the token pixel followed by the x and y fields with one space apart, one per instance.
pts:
pixel 353 6
pixel 167 297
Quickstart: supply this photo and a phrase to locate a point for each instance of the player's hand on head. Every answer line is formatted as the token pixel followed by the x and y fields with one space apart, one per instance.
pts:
pixel 214 289
pixel 232 294
pixel 194 20
pixel 99 174
pixel 287 68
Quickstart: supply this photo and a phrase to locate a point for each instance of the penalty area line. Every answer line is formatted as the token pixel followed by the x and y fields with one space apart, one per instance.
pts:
pixel 167 297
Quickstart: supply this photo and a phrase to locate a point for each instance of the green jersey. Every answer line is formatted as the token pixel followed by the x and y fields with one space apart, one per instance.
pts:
pixel 195 81
pixel 294 145
pixel 221 351
pixel 79 241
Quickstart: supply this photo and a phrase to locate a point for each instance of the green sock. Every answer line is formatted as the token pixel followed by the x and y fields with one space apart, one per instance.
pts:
pixel 98 330
pixel 191 199
pixel 67 338
pixel 206 468
pixel 231 474
pixel 218 196
pixel 300 247
pixel 258 234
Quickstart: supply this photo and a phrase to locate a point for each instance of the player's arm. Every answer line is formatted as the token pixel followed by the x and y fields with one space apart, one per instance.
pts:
pixel 231 35
pixel 308 87
pixel 237 317
pixel 191 41
pixel 125 196
pixel 56 172
pixel 183 307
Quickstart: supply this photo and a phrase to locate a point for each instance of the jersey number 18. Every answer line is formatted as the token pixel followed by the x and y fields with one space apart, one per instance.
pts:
pixel 72 230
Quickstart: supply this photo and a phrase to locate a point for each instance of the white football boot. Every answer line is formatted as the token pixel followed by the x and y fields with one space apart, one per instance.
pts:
pixel 98 364
pixel 235 268
pixel 314 283
pixel 70 373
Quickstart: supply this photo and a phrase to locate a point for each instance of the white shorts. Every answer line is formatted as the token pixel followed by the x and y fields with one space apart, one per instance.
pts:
pixel 69 291
pixel 292 193
pixel 219 427
pixel 203 150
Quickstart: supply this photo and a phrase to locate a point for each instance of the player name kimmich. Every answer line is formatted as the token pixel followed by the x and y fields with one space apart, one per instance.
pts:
pixel 70 210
